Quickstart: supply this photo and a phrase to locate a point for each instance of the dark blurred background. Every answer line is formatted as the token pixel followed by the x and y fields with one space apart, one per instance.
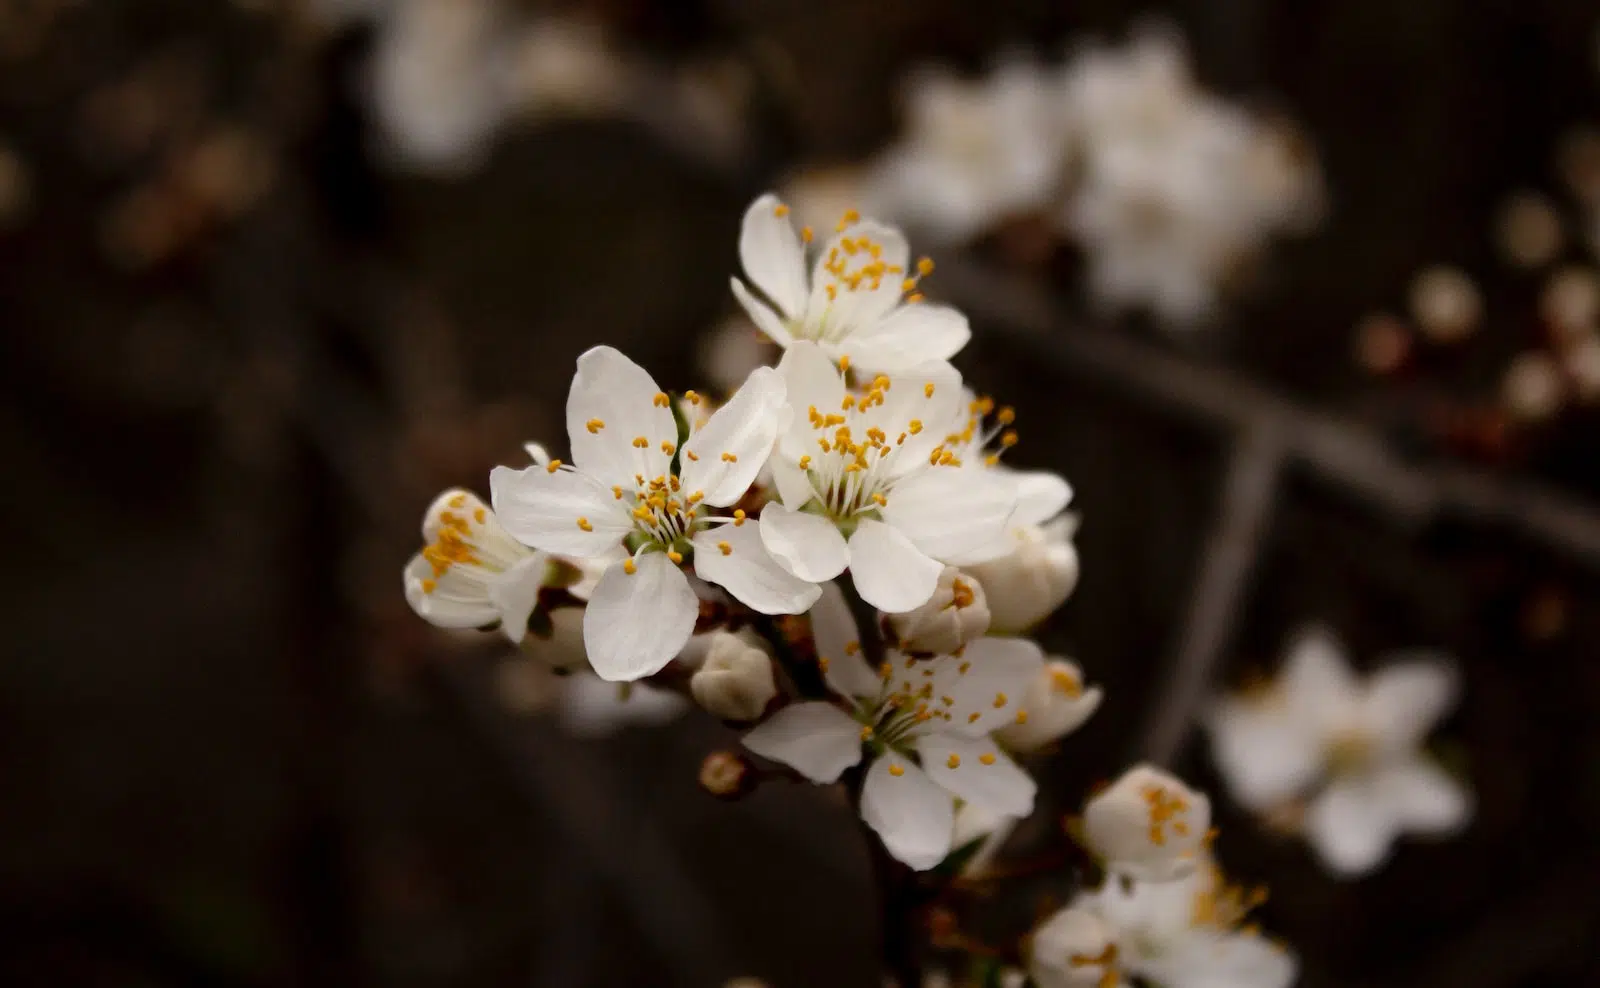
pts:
pixel 243 348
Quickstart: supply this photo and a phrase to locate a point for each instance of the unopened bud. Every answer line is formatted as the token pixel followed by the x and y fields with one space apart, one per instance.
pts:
pixel 955 614
pixel 724 774
pixel 1057 703
pixel 735 682
pixel 1023 588
pixel 1073 949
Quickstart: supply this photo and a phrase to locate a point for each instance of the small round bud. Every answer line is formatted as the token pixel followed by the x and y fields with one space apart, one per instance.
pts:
pixel 955 614
pixel 1446 304
pixel 1529 230
pixel 735 681
pixel 1073 949
pixel 1532 390
pixel 1023 588
pixel 724 774
pixel 1148 824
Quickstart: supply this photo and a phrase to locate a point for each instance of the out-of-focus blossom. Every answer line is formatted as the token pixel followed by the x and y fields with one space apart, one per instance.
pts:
pixel 1176 189
pixel 735 681
pixel 564 68
pixel 1383 343
pixel 635 502
pixel 1533 390
pixel 1445 303
pixel 590 707
pixel 1350 747
pixel 1074 948
pixel 818 196
pixel 1189 933
pixel 1148 825
pixel 953 616
pixel 732 350
pixel 975 152
pixel 938 712
pixel 859 302
pixel 1570 302
pixel 1529 230
pixel 1582 364
pixel 1057 703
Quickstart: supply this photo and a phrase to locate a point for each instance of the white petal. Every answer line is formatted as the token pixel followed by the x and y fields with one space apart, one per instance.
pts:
pixel 990 679
pixel 723 456
pixel 749 572
pixel 761 314
pixel 794 486
pixel 909 335
pixel 997 785
pixel 1041 495
pixel 818 740
pixel 811 379
pixel 636 623
pixel 1423 797
pixel 949 513
pixel 865 304
pixel 618 398
pixel 772 255
pixel 807 545
pixel 833 631
pixel 1265 754
pixel 594 708
pixel 911 813
pixel 444 610
pixel 1351 826
pixel 537 453
pixel 542 509
pixel 1234 960
pixel 889 572
pixel 1317 681
pixel 516 591
pixel 1405 700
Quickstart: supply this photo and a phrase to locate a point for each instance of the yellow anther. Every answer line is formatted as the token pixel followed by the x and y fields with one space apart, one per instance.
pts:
pixel 999 700
pixel 675 555
pixel 805 462
pixel 629 567
pixel 925 266
pixel 961 594
pixel 594 426
pixel 641 442
pixel 880 500
pixel 729 458
pixel 908 284
pixel 987 758
pixel 553 466
pixel 866 729
pixel 852 647
pixel 661 400
pixel 738 517
pixel 927 390
pixel 915 425
pixel 1009 439
pixel 847 403
pixel 428 586
pixel 1022 716
pixel 914 297
pixel 780 210
pixel 668 447
pixel 480 516
pixel 954 761
pixel 1063 681
pixel 692 397
pixel 961 670
pixel 726 549
pixel 806 234
pixel 583 523
pixel 972 718
pixel 896 771
pixel 833 292
pixel 1007 415
pixel 457 500
pixel 690 454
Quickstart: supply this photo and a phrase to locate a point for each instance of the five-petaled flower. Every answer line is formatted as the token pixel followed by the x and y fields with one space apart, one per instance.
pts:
pixel 923 725
pixel 867 481
pixel 471 574
pixel 634 498
pixel 860 299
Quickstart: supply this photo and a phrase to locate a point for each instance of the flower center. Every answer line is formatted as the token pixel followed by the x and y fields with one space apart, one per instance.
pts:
pixel 1350 750
pixel 853 265
pixel 664 515
pixel 468 542
pixel 1167 812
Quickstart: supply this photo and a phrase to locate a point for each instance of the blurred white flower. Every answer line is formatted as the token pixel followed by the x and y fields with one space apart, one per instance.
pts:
pixel 1056 703
pixel 1148 825
pixel 563 67
pixel 639 504
pixel 732 350
pixel 1351 746
pixel 1176 189
pixel 867 482
pixel 1188 933
pixel 858 301
pixel 590 707
pixel 953 616
pixel 1445 303
pixel 924 725
pixel 471 573
pixel 975 152
pixel 735 681
pixel 1037 576
pixel 1074 948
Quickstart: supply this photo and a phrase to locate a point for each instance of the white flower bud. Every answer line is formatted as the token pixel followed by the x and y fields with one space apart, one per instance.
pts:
pixel 955 614
pixel 1023 588
pixel 1149 825
pixel 1073 949
pixel 735 682
pixel 563 650
pixel 1057 704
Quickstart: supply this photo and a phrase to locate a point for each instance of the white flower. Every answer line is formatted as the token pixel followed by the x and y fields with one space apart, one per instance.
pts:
pixel 1148 824
pixel 634 494
pixel 953 616
pixel 976 152
pixel 1026 585
pixel 471 574
pixel 1056 703
pixel 735 681
pixel 1074 949
pixel 859 301
pixel 1319 725
pixel 1188 933
pixel 925 726
pixel 590 707
pixel 866 482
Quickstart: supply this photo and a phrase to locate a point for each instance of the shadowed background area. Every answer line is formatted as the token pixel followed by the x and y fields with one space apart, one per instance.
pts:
pixel 243 347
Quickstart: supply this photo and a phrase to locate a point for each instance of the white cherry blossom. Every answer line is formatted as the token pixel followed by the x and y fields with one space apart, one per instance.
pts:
pixel 922 725
pixel 1148 825
pixel 859 300
pixel 1349 748
pixel 635 500
pixel 955 614
pixel 1057 703
pixel 866 481
pixel 471 573
pixel 1189 933
pixel 1074 948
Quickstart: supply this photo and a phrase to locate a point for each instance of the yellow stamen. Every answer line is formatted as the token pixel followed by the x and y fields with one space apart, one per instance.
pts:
pixel 594 426
pixel 583 523
pixel 896 771
pixel 954 761
pixel 553 466
pixel 629 567
pixel 987 758
pixel 725 548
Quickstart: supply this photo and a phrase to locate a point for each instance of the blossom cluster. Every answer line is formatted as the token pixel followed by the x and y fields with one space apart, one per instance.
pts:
pixel 837 558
